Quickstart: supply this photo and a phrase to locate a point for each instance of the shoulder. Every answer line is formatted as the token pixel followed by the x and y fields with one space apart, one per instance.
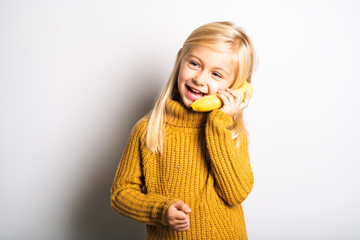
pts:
pixel 141 126
pixel 139 130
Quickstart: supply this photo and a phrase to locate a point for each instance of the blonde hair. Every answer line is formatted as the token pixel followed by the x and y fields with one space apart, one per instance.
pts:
pixel 222 36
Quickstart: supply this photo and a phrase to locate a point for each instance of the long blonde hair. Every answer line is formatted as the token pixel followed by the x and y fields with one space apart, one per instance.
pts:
pixel 218 36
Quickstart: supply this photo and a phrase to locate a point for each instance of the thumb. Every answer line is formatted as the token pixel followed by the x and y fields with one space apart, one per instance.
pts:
pixel 183 207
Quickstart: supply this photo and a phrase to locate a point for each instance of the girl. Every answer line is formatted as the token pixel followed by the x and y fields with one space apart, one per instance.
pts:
pixel 185 173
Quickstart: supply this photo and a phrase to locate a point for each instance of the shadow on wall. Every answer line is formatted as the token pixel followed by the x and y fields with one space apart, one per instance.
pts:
pixel 92 217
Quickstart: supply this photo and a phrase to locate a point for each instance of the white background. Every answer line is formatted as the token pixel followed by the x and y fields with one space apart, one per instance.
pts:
pixel 77 75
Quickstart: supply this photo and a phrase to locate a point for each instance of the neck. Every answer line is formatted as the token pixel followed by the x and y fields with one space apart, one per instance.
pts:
pixel 179 115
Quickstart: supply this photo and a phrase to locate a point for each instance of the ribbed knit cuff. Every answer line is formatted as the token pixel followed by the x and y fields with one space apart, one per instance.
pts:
pixel 219 118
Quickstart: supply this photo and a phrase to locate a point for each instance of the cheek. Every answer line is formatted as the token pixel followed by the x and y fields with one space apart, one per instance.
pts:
pixel 215 86
pixel 186 74
pixel 183 77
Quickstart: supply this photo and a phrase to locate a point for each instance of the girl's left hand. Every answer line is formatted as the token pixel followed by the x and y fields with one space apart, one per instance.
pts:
pixel 232 103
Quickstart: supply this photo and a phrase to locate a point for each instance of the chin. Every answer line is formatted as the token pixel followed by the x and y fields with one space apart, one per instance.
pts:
pixel 187 102
pixel 188 105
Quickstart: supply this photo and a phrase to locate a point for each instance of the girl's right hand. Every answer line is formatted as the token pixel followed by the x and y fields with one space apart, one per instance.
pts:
pixel 178 216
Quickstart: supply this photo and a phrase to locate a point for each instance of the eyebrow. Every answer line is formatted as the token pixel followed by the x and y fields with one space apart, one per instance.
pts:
pixel 190 55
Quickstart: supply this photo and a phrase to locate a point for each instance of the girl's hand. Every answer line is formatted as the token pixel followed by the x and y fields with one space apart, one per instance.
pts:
pixel 232 103
pixel 178 216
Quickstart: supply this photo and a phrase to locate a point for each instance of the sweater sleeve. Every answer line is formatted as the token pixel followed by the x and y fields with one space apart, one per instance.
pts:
pixel 127 197
pixel 230 164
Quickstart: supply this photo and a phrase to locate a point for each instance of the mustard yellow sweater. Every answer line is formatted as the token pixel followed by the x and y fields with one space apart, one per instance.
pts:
pixel 200 166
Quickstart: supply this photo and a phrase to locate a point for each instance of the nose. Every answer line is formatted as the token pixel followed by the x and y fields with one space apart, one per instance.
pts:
pixel 200 78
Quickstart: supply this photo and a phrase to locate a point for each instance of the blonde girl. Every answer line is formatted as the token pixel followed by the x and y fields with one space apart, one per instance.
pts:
pixel 184 173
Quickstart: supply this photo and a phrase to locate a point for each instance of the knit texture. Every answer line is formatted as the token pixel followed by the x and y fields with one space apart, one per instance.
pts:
pixel 200 166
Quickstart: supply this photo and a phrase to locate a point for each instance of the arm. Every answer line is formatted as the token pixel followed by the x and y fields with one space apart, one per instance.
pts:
pixel 126 196
pixel 230 165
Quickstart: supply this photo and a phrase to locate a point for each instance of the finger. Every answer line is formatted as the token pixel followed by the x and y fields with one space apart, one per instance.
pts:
pixel 176 225
pixel 243 106
pixel 173 213
pixel 242 102
pixel 180 215
pixel 235 94
pixel 183 229
pixel 182 206
pixel 227 94
pixel 180 218
pixel 245 103
pixel 237 99
pixel 230 96
pixel 175 222
pixel 185 208
pixel 224 96
pixel 184 225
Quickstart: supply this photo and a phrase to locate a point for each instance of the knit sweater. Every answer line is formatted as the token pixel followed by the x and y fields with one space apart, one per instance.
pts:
pixel 200 165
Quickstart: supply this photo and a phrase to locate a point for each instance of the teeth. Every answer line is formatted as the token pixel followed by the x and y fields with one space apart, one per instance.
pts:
pixel 195 90
pixel 195 96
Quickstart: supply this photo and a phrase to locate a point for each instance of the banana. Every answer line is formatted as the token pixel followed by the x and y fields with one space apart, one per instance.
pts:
pixel 211 102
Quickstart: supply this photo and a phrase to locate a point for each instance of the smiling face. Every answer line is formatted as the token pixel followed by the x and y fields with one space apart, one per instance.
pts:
pixel 204 71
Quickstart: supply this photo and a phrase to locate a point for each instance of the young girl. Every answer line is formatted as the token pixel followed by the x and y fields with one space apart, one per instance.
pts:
pixel 185 173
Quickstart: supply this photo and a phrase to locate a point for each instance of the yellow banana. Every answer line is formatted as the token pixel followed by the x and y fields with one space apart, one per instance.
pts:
pixel 211 102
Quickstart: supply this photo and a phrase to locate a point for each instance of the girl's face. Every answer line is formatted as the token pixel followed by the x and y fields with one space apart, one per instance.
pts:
pixel 204 71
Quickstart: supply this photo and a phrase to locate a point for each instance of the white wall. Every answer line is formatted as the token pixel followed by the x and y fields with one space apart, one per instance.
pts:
pixel 76 76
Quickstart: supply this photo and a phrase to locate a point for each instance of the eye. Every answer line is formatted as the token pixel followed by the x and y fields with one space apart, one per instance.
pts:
pixel 194 64
pixel 217 75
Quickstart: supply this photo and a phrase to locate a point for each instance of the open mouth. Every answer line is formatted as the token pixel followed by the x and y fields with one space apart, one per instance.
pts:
pixel 194 94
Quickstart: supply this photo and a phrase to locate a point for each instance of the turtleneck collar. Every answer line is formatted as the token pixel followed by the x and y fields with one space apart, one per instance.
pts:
pixel 179 115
